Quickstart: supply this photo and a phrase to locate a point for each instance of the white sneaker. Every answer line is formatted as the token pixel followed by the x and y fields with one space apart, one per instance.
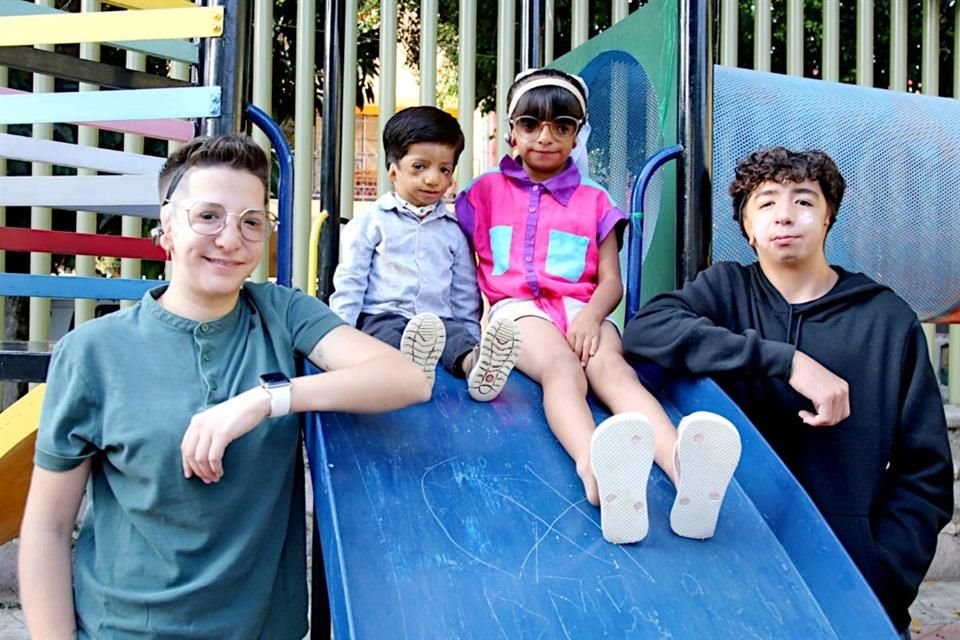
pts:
pixel 705 457
pixel 495 357
pixel 621 452
pixel 422 341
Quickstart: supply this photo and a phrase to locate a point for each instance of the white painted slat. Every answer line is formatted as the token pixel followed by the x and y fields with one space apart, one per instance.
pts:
pixel 72 155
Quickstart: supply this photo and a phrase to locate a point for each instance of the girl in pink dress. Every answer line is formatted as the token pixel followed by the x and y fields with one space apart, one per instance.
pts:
pixel 547 241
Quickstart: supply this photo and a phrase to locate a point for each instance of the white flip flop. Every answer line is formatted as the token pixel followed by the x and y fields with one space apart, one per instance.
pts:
pixel 706 455
pixel 621 451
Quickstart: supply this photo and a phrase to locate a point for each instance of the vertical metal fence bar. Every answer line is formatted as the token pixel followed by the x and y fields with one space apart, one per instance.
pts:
pixel 831 40
pixel 506 20
pixel 467 54
pixel 225 65
pixel 729 31
pixel 930 48
pixel 428 52
pixel 348 110
pixel 795 37
pixel 898 44
pixel 132 225
pixel 580 23
pixel 619 9
pixel 865 43
pixel 762 36
pixel 262 91
pixel 388 77
pixel 83 310
pixel 40 217
pixel 304 114
pixel 549 19
pixel 330 160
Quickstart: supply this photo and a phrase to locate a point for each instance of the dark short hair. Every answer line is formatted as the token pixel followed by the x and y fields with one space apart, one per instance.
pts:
pixel 781 165
pixel 233 150
pixel 420 124
pixel 546 103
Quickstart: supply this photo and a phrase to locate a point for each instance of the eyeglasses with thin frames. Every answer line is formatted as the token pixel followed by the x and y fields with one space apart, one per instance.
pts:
pixel 562 127
pixel 210 218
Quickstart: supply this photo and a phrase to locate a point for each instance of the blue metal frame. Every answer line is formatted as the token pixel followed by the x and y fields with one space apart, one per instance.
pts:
pixel 635 249
pixel 284 195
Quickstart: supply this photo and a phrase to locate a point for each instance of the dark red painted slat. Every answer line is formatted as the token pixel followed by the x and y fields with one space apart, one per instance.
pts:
pixel 81 244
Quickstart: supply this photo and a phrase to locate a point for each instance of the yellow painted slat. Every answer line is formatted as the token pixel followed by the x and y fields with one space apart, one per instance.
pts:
pixel 20 419
pixel 152 4
pixel 154 24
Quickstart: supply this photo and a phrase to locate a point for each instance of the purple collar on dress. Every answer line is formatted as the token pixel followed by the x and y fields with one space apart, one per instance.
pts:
pixel 561 185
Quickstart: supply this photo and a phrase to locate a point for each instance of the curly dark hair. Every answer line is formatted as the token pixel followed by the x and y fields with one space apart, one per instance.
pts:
pixel 783 165
pixel 233 150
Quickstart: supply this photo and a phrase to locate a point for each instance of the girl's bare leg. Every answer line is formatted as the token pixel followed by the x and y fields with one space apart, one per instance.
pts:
pixel 615 382
pixel 549 360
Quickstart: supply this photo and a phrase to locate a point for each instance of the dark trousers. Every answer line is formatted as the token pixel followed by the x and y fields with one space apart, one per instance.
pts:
pixel 388 327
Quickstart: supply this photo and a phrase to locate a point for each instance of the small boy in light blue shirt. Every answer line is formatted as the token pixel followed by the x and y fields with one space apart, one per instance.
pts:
pixel 407 275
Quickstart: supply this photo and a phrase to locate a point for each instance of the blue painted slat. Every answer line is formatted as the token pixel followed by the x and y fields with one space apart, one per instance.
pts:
pixel 22 284
pixel 97 106
pixel 455 518
pixel 179 50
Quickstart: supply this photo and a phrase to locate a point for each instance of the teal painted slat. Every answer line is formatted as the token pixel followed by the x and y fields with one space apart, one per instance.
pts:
pixel 179 50
pixel 68 287
pixel 96 106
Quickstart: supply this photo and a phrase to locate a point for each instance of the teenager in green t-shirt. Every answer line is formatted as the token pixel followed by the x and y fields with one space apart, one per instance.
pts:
pixel 176 417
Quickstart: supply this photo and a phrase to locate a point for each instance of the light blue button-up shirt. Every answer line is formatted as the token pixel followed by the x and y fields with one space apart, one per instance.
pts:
pixel 393 261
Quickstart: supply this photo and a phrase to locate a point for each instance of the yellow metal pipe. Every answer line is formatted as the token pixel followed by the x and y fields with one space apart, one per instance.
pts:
pixel 316 226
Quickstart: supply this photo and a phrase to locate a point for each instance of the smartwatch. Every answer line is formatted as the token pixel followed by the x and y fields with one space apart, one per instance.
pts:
pixel 277 385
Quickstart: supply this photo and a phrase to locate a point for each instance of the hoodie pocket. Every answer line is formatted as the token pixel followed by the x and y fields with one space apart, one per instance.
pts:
pixel 855 535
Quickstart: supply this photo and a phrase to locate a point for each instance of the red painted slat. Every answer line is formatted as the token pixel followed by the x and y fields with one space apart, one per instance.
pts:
pixel 82 244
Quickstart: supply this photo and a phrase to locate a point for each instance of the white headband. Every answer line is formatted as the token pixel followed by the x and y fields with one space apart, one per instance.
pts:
pixel 547 81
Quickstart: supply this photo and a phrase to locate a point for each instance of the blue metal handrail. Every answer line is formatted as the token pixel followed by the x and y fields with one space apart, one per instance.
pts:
pixel 635 249
pixel 284 194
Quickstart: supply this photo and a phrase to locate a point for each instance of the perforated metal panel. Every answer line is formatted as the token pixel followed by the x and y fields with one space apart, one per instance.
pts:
pixel 624 116
pixel 899 221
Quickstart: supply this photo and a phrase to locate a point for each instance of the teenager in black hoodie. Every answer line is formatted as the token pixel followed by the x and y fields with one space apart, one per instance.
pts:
pixel 830 366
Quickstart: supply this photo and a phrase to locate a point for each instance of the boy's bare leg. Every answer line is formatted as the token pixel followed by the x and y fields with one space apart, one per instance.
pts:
pixel 548 359
pixel 615 382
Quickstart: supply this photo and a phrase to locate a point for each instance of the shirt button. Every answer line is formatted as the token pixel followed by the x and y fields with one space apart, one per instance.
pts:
pixel 529 258
pixel 536 187
pixel 205 328
pixel 213 386
pixel 206 357
pixel 533 209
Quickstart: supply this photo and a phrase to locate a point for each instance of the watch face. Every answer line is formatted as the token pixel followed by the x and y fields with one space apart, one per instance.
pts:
pixel 274 379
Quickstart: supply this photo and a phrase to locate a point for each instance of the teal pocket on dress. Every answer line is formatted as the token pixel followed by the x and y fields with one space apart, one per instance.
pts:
pixel 500 237
pixel 567 255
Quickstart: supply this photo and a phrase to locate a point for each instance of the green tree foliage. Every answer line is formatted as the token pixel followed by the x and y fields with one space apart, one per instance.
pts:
pixel 813 41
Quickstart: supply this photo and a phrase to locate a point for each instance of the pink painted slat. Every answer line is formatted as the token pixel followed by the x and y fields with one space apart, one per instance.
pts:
pixel 172 129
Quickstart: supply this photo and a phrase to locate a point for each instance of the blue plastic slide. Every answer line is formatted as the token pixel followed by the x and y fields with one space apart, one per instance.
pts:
pixel 456 519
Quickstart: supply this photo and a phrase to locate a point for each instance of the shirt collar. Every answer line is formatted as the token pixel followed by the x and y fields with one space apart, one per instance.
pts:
pixel 561 185
pixel 392 202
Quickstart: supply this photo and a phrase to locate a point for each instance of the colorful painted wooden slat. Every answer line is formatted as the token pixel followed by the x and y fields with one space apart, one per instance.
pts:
pixel 80 244
pixel 94 106
pixel 69 287
pixel 73 155
pixel 179 50
pixel 152 4
pixel 170 129
pixel 80 192
pixel 69 28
